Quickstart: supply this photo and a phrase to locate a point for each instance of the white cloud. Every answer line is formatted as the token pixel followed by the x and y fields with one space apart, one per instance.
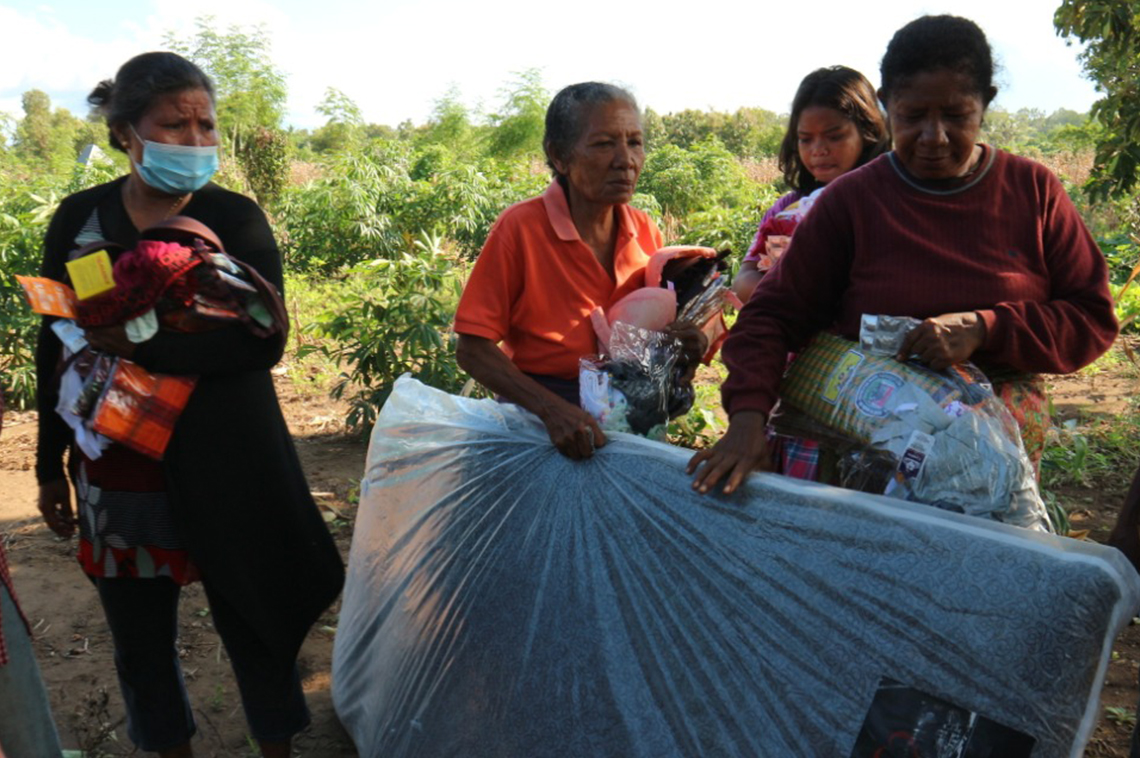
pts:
pixel 394 58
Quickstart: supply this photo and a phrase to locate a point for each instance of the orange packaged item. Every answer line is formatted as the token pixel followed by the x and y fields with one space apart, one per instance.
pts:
pixel 48 297
pixel 139 409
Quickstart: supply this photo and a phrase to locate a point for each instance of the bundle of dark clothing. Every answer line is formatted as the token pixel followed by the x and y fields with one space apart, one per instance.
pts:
pixel 644 378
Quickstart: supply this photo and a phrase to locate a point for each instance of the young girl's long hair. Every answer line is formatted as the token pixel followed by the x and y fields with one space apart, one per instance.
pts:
pixel 847 91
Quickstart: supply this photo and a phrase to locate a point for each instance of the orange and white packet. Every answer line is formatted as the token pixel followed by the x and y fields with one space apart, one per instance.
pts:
pixel 48 297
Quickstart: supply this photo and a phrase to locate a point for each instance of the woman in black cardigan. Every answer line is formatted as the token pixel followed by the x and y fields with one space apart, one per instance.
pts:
pixel 228 503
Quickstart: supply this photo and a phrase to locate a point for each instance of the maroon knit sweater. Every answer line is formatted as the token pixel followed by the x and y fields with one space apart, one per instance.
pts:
pixel 1008 244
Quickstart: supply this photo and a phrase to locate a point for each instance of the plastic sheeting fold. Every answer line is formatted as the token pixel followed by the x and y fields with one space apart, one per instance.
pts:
pixel 502 600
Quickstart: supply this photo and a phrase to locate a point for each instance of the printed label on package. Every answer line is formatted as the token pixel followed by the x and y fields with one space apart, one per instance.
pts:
pixel 912 460
pixel 840 377
pixel 875 393
pixel 903 722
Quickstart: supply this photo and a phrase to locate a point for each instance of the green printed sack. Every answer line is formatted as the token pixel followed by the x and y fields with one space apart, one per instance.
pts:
pixel 834 382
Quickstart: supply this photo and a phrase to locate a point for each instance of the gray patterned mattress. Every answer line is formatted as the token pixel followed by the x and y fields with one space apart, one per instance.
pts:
pixel 505 601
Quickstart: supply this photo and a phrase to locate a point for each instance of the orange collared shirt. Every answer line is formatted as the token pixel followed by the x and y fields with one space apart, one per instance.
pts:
pixel 536 282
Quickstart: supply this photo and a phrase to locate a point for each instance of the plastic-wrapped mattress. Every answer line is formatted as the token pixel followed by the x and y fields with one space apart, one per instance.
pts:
pixel 505 601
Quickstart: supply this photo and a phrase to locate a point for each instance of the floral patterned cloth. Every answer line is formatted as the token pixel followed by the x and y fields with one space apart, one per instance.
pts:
pixel 1025 397
pixel 126 527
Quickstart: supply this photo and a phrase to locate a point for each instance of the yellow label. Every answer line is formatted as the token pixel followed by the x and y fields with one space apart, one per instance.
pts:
pixel 91 274
pixel 840 376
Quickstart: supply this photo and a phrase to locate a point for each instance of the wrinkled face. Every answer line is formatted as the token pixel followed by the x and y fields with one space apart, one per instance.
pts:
pixel 176 118
pixel 829 142
pixel 936 117
pixel 604 164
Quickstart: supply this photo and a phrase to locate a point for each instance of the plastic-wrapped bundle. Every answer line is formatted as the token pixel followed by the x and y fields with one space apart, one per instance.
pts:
pixel 639 386
pixel 503 600
pixel 936 437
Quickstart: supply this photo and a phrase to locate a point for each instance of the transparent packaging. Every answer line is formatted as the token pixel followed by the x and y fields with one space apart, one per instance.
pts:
pixel 941 438
pixel 503 600
pixel 632 388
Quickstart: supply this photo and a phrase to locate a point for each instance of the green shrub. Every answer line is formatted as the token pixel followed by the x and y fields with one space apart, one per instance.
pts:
pixel 394 317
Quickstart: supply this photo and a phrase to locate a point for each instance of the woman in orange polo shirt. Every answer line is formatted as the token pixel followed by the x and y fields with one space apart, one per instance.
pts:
pixel 524 318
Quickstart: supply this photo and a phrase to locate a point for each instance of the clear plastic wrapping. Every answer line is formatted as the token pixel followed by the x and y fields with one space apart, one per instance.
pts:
pixel 503 600
pixel 936 437
pixel 636 387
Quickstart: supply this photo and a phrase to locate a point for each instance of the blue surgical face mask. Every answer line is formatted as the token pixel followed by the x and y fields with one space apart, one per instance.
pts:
pixel 176 169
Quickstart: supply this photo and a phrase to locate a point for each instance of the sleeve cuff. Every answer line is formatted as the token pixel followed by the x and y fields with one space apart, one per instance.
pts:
pixel 751 402
pixel 478 330
pixel 990 319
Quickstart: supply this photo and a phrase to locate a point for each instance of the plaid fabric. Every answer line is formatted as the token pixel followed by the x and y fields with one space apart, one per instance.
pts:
pixel 139 409
pixel 835 383
pixel 799 458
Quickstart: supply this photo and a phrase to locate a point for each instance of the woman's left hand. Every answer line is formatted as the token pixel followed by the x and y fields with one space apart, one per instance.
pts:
pixel 694 343
pixel 111 339
pixel 944 340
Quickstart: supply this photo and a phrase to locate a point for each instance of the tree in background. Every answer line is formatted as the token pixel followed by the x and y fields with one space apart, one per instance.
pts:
pixel 251 96
pixel 1111 31
pixel 51 140
pixel 452 125
pixel 345 128
pixel 520 123
pixel 749 133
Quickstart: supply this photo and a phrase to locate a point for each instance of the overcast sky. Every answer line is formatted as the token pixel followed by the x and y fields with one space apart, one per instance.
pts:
pixel 395 58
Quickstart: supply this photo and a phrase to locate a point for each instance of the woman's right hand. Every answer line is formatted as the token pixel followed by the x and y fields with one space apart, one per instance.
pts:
pixel 55 505
pixel 742 450
pixel 572 430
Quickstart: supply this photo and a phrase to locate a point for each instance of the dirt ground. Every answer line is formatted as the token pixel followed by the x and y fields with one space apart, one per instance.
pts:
pixel 73 644
pixel 74 647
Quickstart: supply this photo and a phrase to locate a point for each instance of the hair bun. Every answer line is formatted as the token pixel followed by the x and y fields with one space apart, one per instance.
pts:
pixel 102 94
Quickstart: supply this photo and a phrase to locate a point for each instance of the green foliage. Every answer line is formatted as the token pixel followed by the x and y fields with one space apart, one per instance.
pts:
pixel 1124 716
pixel 264 160
pixel 701 427
pixel 338 219
pixel 395 318
pixel 251 90
pixel 339 108
pixel 345 128
pixel 726 228
pixel 26 209
pixel 1110 30
pixel 1082 455
pixel 748 133
pixel 1122 253
pixel 374 203
pixel 47 140
pixel 251 94
pixel 519 125
pixel 24 215
pixel 700 178
pixel 451 123
pixel 1032 131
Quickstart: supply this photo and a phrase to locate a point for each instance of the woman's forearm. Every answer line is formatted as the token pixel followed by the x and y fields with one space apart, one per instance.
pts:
pixel 490 366
pixel 574 432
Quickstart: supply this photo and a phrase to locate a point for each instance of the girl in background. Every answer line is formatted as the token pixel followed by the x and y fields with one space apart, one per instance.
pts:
pixel 835 126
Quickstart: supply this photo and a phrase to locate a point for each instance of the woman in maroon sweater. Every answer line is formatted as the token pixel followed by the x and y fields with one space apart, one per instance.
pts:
pixel 983 246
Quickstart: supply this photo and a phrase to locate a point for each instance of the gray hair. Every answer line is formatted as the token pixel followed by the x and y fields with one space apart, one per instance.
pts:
pixel 566 116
